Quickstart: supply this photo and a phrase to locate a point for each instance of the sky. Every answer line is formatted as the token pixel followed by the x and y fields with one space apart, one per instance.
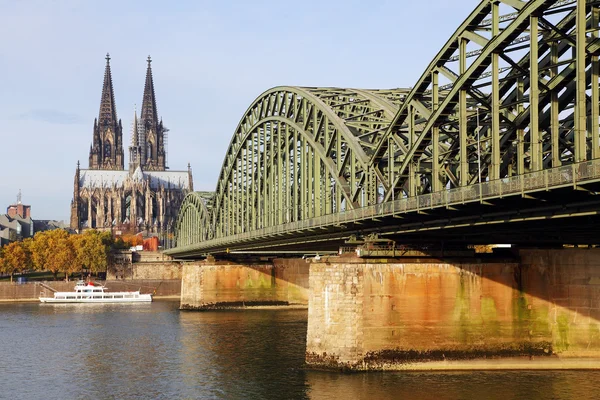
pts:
pixel 211 60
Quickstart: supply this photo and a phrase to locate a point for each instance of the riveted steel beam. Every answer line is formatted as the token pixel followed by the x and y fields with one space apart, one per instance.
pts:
pixel 514 91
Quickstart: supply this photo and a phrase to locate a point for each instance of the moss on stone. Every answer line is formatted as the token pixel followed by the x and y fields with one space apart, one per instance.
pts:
pixel 562 343
pixel 489 316
pixel 594 335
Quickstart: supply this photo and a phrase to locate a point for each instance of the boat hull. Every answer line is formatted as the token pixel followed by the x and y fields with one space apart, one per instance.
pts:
pixel 93 293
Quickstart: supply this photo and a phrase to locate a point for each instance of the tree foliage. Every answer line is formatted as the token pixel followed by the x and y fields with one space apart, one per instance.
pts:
pixel 50 252
pixel 15 258
pixel 92 249
pixel 57 251
pixel 127 241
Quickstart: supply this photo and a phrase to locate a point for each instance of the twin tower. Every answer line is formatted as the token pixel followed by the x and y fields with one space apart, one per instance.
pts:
pixel 147 148
pixel 146 196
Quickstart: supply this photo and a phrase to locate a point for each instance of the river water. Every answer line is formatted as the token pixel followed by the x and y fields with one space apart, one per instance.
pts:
pixel 155 351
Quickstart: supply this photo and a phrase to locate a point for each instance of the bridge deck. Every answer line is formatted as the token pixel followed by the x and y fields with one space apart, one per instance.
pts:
pixel 334 227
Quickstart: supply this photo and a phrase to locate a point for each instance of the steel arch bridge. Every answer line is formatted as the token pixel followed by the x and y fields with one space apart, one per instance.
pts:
pixel 509 105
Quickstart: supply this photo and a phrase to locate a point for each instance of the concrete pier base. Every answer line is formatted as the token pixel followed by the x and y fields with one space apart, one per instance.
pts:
pixel 542 311
pixel 222 285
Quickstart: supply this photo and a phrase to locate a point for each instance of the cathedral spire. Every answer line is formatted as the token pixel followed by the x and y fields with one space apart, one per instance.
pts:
pixel 108 109
pixel 106 151
pixel 135 149
pixel 149 113
pixel 153 156
pixel 135 141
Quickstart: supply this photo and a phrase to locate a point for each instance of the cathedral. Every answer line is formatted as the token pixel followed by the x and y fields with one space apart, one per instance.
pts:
pixel 143 198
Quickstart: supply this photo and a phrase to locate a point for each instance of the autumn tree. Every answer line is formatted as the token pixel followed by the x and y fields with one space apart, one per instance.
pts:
pixel 132 240
pixel 15 258
pixel 57 251
pixel 92 249
pixel 53 251
pixel 28 248
pixel 40 249
pixel 2 262
pixel 64 257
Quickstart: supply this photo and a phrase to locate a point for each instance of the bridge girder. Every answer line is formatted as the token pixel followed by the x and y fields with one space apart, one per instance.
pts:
pixel 514 90
pixel 193 220
pixel 299 153
pixel 488 118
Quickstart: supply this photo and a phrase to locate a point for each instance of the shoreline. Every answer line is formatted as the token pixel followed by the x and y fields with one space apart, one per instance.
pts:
pixel 37 300
pixel 31 291
pixel 247 308
pixel 178 298
pixel 552 363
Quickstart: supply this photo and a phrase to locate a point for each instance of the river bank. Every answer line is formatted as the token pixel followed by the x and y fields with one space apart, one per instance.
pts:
pixel 91 352
pixel 27 292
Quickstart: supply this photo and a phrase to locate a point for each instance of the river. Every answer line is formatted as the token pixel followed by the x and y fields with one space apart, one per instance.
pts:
pixel 155 351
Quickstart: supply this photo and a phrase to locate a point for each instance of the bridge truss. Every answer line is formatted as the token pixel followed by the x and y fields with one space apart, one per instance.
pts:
pixel 512 95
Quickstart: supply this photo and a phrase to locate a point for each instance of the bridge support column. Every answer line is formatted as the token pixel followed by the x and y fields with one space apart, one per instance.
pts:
pixel 541 312
pixel 212 285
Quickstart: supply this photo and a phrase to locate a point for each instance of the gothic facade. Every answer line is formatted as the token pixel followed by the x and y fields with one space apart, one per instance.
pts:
pixel 144 197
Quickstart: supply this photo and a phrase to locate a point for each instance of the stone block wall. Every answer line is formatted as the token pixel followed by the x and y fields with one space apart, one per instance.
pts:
pixel 31 291
pixel 563 286
pixel 395 314
pixel 157 270
pixel 335 314
pixel 157 287
pixel 210 285
pixel 126 265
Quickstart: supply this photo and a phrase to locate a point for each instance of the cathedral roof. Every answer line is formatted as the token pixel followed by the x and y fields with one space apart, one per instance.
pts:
pixel 138 175
pixel 95 178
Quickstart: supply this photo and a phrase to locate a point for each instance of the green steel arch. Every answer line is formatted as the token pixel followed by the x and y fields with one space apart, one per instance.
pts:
pixel 514 90
pixel 300 153
pixel 192 225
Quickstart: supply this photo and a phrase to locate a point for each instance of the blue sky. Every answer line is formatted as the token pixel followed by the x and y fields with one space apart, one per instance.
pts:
pixel 210 61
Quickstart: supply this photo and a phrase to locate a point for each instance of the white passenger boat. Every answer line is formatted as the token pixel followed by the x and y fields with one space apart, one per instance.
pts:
pixel 94 293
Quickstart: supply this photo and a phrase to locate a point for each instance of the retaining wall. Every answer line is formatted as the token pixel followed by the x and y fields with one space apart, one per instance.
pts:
pixel 31 291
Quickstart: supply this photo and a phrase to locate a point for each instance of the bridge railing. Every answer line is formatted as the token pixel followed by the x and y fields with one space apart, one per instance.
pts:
pixel 519 184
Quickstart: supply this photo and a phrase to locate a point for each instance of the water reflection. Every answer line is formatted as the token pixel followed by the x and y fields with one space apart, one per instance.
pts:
pixel 504 385
pixel 155 351
pixel 248 354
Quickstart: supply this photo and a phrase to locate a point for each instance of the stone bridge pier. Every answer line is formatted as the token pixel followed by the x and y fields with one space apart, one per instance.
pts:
pixel 540 309
pixel 211 284
pixel 534 309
